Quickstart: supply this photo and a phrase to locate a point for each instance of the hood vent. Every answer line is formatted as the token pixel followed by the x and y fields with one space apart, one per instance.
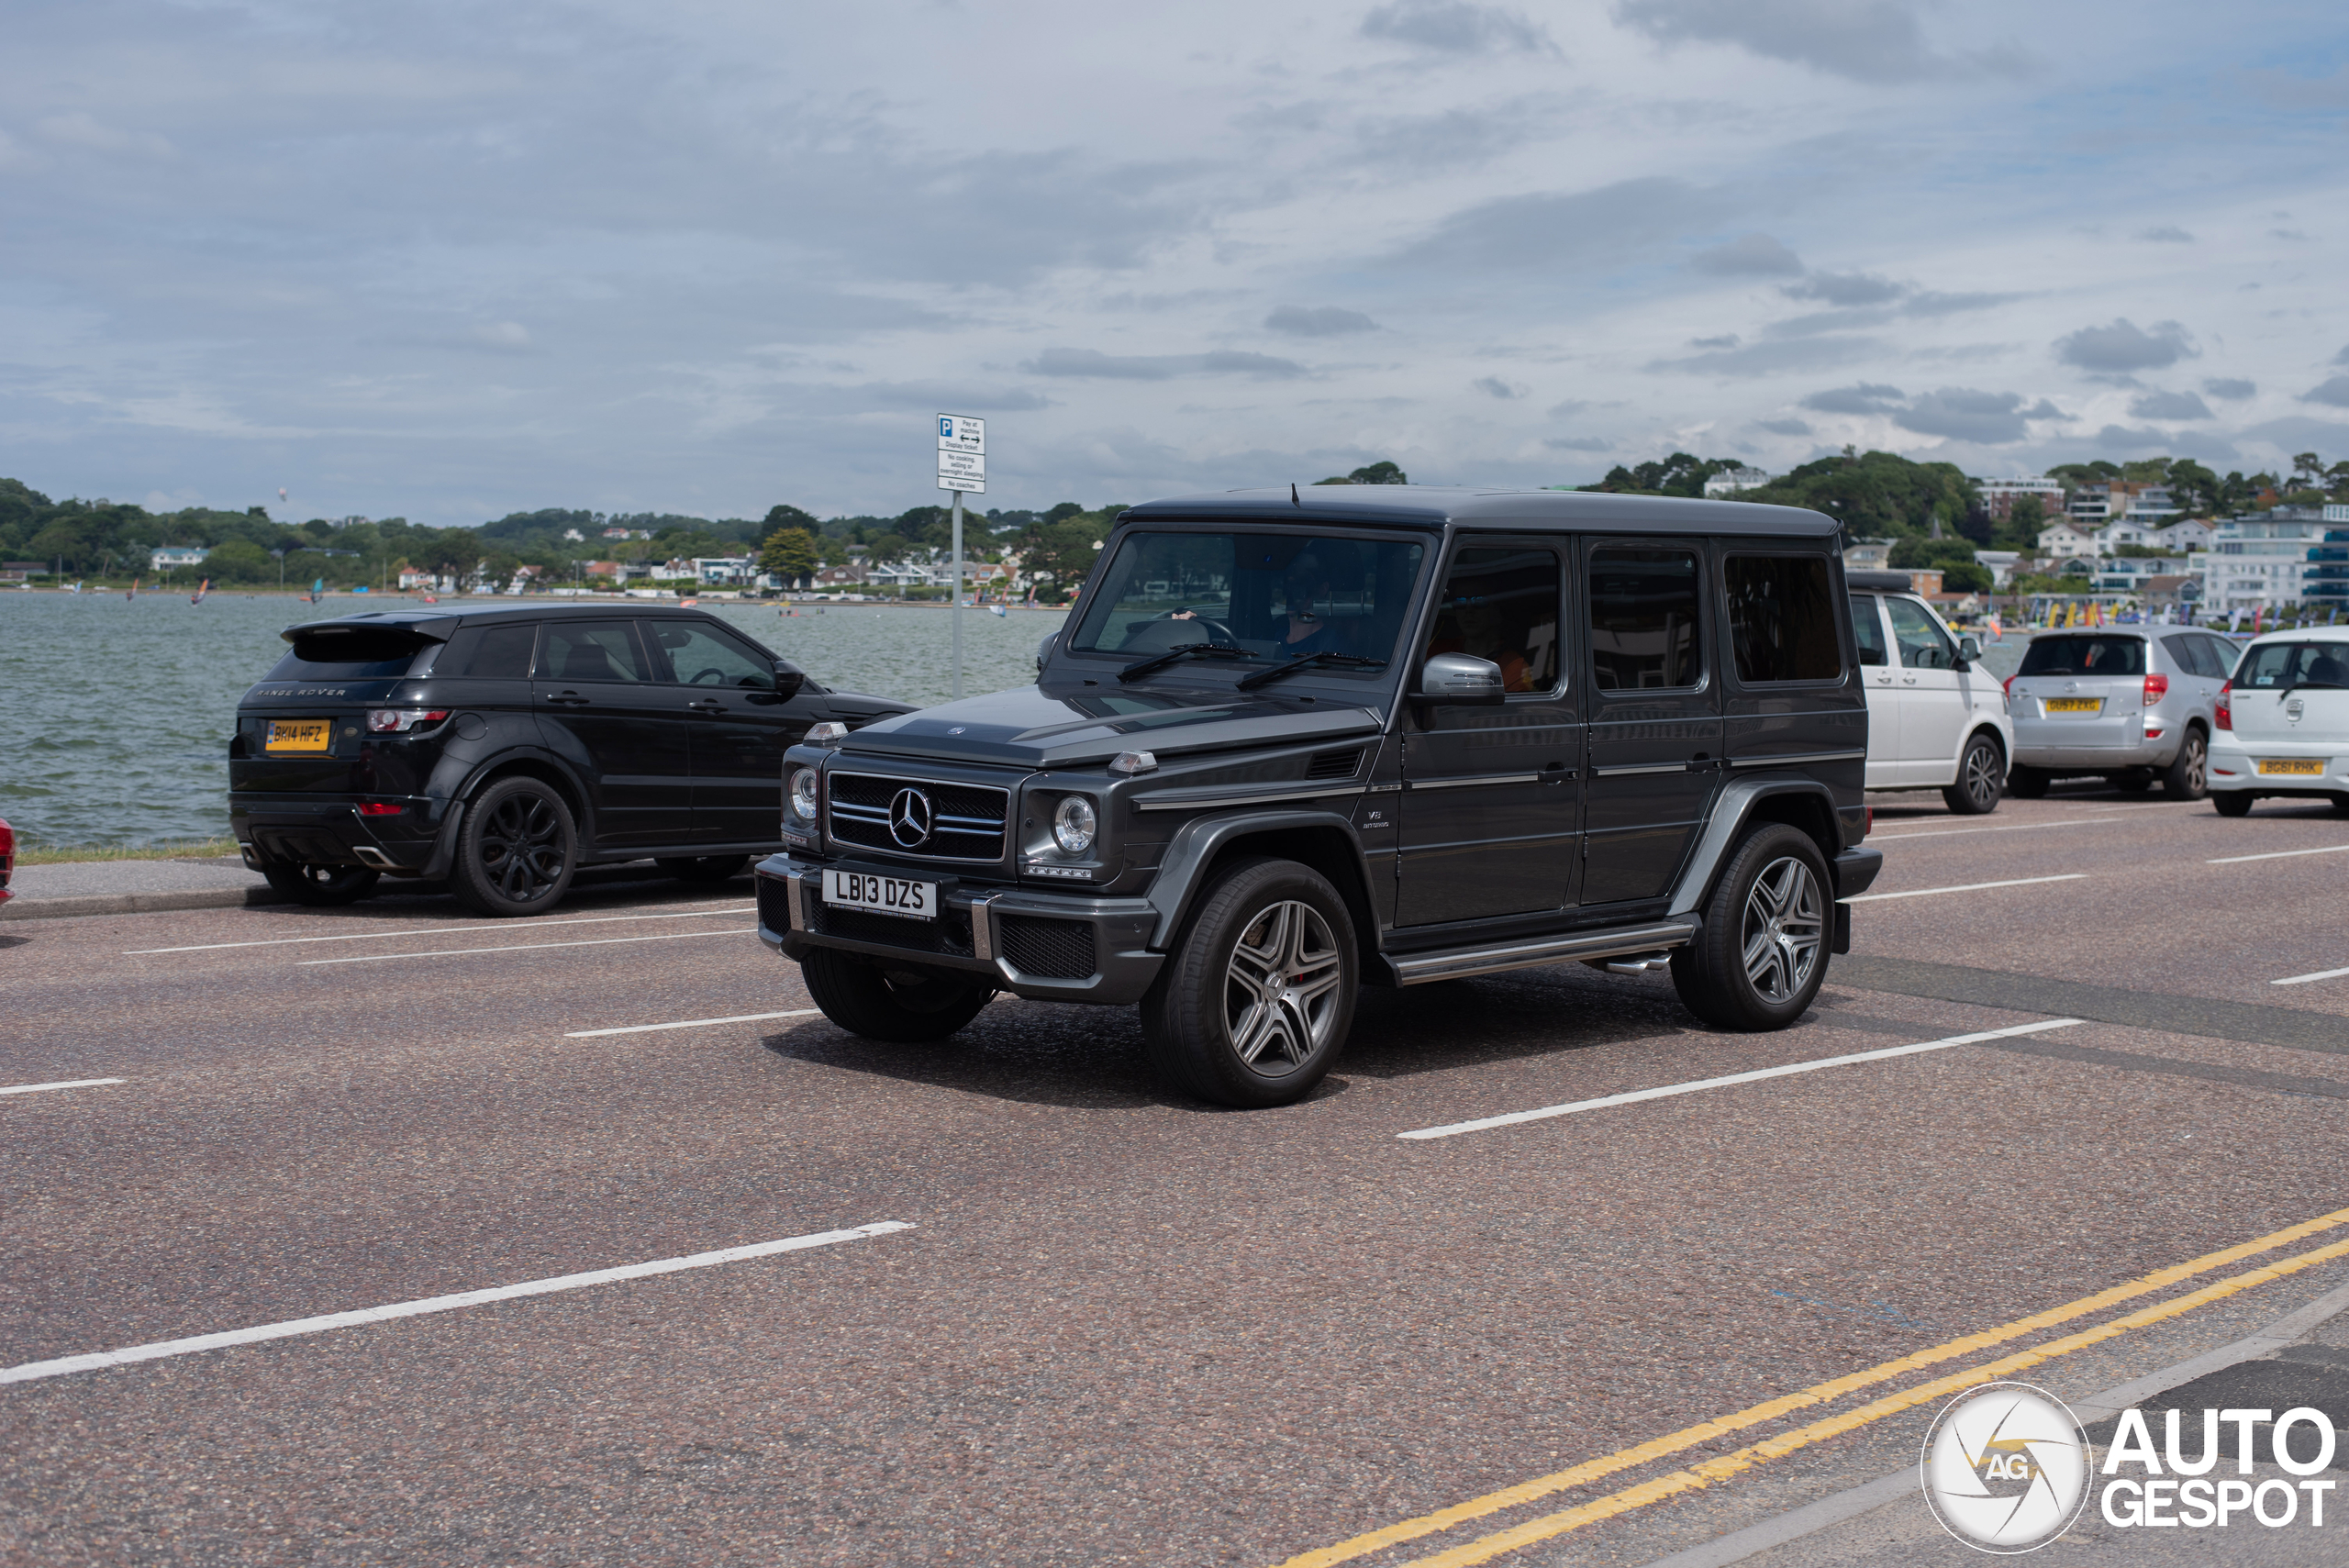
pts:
pixel 1334 764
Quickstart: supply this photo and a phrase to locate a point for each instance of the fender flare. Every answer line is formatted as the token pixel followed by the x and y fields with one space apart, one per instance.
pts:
pixel 1195 844
pixel 461 796
pixel 1731 810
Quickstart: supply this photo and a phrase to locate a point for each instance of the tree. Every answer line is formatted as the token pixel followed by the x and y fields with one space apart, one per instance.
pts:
pixel 2023 523
pixel 239 560
pixel 1679 475
pixel 2197 490
pixel 2307 472
pixel 789 554
pixel 788 518
pixel 1910 554
pixel 1965 577
pixel 1379 473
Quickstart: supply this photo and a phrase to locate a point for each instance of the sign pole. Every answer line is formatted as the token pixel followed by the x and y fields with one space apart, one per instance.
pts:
pixel 962 466
pixel 958 595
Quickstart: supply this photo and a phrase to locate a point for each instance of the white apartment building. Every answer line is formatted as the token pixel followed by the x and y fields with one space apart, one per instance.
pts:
pixel 2065 539
pixel 2293 555
pixel 174 555
pixel 1735 480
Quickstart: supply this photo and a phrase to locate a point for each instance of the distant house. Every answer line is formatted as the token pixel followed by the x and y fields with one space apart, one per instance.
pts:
pixel 1999 495
pixel 2183 535
pixel 2000 563
pixel 2171 591
pixel 721 571
pixel 1925 582
pixel 839 576
pixel 1869 555
pixel 1735 480
pixel 172 556
pixel 2067 540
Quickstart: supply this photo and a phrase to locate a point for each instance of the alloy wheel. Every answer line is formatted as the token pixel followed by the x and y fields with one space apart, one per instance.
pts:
pixel 1783 926
pixel 1984 780
pixel 1281 988
pixel 2197 766
pixel 521 847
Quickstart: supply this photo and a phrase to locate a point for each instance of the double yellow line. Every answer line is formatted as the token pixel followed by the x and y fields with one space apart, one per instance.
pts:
pixel 1486 1548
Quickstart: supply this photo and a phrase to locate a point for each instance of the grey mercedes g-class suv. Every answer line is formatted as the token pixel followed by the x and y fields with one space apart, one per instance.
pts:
pixel 1291 742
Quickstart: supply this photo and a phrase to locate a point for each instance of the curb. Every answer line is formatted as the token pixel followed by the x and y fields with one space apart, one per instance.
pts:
pixel 1812 1517
pixel 23 908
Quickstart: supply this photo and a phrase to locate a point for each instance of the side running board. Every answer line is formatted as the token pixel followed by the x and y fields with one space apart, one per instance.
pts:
pixel 1417 969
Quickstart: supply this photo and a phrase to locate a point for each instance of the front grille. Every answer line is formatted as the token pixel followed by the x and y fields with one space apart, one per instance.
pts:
pixel 1049 950
pixel 1333 764
pixel 965 821
pixel 774 904
pixel 949 934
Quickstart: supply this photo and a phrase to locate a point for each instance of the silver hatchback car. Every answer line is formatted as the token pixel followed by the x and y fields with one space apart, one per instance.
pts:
pixel 2131 704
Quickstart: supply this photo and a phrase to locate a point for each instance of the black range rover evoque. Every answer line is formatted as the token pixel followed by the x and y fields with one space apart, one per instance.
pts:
pixel 504 747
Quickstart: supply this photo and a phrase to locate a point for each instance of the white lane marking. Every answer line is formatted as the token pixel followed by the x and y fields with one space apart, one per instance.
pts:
pixel 1513 1117
pixel 2280 855
pixel 1968 887
pixel 695 1023
pixel 63 1365
pixel 70 1084
pixel 2295 979
pixel 2015 828
pixel 518 947
pixel 449 930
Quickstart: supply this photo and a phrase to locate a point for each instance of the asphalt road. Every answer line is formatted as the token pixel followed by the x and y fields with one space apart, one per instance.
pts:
pixel 1119 1326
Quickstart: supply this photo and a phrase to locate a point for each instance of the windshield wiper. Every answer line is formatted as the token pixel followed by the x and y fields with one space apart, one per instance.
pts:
pixel 1262 677
pixel 1160 662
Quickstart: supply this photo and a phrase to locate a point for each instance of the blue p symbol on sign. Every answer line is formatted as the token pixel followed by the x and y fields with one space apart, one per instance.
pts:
pixel 946 425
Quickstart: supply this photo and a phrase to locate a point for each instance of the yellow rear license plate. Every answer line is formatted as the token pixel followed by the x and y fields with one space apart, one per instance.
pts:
pixel 298 735
pixel 2075 704
pixel 2303 766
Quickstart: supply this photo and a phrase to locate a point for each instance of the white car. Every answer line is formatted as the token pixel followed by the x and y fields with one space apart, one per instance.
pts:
pixel 2281 727
pixel 1936 719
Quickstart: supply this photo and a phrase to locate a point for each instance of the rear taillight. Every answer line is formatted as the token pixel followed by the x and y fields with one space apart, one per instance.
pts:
pixel 7 852
pixel 380 808
pixel 400 720
pixel 2156 688
pixel 2007 687
pixel 1867 825
pixel 2222 710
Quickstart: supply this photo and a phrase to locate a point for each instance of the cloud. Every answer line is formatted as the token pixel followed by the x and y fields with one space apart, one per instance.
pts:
pixel 2342 357
pixel 1775 357
pixel 2167 234
pixel 1578 444
pixel 2231 388
pixel 1454 27
pixel 507 337
pixel 1868 40
pixel 1322 321
pixel 1418 144
pixel 1930 303
pixel 1783 427
pixel 1845 288
pixel 1867 397
pixel 1726 340
pixel 963 396
pixel 2122 439
pixel 82 130
pixel 1963 414
pixel 2334 393
pixel 1494 387
pixel 1093 362
pixel 2122 347
pixel 2169 405
pixel 1748 256
pixel 1541 233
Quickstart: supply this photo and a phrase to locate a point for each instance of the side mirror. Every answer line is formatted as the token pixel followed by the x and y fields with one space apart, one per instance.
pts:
pixel 1968 652
pixel 788 679
pixel 1461 680
pixel 1044 650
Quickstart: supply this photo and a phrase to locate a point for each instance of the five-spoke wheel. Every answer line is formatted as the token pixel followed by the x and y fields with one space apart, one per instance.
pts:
pixel 517 851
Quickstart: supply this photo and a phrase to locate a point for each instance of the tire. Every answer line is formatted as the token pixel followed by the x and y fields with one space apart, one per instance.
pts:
pixel 2231 802
pixel 321 886
pixel 517 852
pixel 866 999
pixel 2189 775
pixel 1228 1020
pixel 703 868
pixel 1762 952
pixel 2131 783
pixel 2026 784
pixel 2340 800
pixel 1981 779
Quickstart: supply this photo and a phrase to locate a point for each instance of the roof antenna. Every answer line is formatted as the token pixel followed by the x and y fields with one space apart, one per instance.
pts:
pixel 1292 494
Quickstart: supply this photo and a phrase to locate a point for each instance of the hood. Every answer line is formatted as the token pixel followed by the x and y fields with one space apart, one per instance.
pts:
pixel 1030 728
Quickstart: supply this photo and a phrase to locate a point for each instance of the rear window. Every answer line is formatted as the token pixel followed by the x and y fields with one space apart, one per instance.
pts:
pixel 2085 656
pixel 2280 664
pixel 348 653
pixel 1782 618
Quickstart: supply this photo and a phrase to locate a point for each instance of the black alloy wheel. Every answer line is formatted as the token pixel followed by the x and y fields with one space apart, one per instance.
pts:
pixel 900 1006
pixel 1762 954
pixel 1981 779
pixel 321 886
pixel 2189 775
pixel 703 868
pixel 517 851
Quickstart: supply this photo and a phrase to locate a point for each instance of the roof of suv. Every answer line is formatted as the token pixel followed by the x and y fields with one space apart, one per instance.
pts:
pixel 440 623
pixel 1430 507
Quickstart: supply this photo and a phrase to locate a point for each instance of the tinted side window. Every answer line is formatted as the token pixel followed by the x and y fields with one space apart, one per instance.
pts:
pixel 700 657
pixel 1867 630
pixel 1782 618
pixel 591 650
pixel 489 652
pixel 1503 605
pixel 1642 617
pixel 1923 644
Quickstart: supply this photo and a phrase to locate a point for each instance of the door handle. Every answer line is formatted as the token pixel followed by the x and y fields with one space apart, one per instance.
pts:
pixel 1701 763
pixel 565 697
pixel 707 705
pixel 1556 772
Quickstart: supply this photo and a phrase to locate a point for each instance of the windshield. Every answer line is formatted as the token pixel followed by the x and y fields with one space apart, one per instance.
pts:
pixel 1275 595
pixel 2280 664
pixel 2085 656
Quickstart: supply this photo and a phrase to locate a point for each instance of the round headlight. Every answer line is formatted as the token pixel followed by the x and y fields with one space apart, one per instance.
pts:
pixel 803 795
pixel 1073 825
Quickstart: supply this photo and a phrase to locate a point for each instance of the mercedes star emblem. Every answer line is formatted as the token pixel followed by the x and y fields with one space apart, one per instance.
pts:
pixel 910 818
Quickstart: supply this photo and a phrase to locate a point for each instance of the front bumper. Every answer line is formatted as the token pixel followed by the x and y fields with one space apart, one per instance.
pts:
pixel 326 829
pixel 1057 947
pixel 2235 766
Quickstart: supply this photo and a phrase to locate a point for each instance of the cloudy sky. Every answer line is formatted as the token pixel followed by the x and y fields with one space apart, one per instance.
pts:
pixel 447 261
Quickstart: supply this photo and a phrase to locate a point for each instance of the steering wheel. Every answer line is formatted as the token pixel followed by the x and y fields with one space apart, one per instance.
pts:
pixel 713 675
pixel 1216 630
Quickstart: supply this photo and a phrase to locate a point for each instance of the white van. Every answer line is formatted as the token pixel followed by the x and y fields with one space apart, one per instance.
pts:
pixel 1936 719
pixel 2281 726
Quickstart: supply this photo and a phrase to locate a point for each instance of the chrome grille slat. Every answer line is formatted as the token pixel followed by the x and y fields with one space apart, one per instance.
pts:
pixel 858 813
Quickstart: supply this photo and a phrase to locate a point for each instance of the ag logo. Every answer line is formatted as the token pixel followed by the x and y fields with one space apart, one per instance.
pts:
pixel 2005 1468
